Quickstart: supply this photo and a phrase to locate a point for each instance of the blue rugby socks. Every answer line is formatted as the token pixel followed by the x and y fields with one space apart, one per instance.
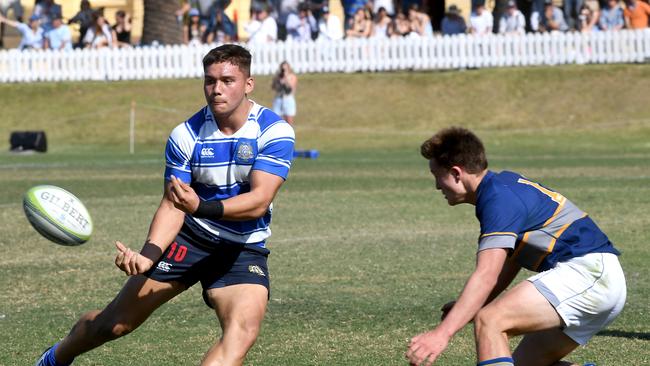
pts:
pixel 48 358
pixel 500 361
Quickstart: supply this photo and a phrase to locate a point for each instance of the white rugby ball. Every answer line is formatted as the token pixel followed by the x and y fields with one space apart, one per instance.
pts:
pixel 58 215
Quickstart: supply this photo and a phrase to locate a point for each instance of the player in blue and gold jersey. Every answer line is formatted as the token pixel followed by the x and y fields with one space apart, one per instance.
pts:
pixel 224 167
pixel 580 287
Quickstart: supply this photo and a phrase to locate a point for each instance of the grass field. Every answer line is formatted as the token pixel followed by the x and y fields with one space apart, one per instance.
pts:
pixel 364 250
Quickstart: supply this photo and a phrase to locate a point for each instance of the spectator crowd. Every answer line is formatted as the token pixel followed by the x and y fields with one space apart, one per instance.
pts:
pixel 206 21
pixel 46 29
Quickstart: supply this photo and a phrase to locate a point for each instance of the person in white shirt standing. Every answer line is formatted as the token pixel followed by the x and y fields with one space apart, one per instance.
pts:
pixel 329 26
pixel 262 28
pixel 481 20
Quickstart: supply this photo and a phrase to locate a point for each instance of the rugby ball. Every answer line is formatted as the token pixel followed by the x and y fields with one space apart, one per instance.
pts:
pixel 57 215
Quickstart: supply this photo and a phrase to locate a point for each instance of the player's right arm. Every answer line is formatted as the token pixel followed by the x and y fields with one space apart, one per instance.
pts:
pixel 165 225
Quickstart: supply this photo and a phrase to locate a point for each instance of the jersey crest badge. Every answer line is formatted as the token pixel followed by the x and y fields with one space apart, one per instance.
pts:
pixel 245 153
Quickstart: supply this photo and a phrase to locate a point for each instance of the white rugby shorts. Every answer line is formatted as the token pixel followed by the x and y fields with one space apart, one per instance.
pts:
pixel 588 293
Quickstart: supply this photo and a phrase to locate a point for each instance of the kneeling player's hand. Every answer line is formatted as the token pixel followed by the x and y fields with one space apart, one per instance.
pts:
pixel 425 348
pixel 132 263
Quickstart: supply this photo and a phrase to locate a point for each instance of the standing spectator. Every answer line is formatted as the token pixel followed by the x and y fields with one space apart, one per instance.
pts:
pixel 481 20
pixel 636 14
pixel 224 30
pixel 31 35
pixel 100 35
pixel 572 9
pixel 300 26
pixel 284 85
pixel 85 19
pixel 47 11
pixel 262 28
pixel 330 26
pixel 382 23
pixel 5 6
pixel 550 20
pixel 122 29
pixel 59 37
pixel 611 17
pixel 361 26
pixel 513 20
pixel 192 33
pixel 588 20
pixel 453 23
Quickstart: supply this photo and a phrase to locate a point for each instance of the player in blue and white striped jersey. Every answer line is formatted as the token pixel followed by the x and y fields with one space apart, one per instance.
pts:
pixel 580 287
pixel 224 167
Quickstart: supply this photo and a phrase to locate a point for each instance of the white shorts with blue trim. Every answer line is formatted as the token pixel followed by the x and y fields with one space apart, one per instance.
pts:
pixel 587 292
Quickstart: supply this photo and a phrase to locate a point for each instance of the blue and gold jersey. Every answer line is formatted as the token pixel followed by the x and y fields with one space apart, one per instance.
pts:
pixel 540 227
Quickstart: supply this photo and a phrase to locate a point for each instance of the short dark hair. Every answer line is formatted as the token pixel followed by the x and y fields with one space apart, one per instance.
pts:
pixel 231 53
pixel 456 146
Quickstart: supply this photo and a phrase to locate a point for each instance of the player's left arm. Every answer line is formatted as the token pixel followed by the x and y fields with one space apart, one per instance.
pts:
pixel 426 347
pixel 246 206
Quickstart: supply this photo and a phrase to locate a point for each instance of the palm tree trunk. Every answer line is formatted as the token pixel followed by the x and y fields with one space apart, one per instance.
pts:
pixel 160 24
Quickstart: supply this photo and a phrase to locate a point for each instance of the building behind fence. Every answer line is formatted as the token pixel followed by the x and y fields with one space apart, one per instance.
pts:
pixel 352 55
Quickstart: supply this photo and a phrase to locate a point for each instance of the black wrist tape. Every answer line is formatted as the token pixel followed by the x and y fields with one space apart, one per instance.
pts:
pixel 209 210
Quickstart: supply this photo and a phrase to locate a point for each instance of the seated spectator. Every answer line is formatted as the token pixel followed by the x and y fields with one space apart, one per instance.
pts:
pixel 100 35
pixel 361 25
pixel 587 19
pixel 481 20
pixel 205 9
pixel 453 23
pixel 31 34
pixel 550 20
pixel 611 17
pixel 382 23
pixel 513 20
pixel 59 37
pixel 329 26
pixel 262 28
pixel 388 5
pixel 223 29
pixel 17 9
pixel 636 14
pixel 122 29
pixel 400 27
pixel 420 21
pixel 350 8
pixel 84 18
pixel 192 33
pixel 300 26
pixel 47 11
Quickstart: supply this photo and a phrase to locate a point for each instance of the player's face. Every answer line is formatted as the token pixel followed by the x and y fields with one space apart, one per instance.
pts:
pixel 448 181
pixel 225 88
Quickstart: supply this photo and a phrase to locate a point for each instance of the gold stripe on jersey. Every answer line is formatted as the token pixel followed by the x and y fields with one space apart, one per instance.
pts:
pixel 498 233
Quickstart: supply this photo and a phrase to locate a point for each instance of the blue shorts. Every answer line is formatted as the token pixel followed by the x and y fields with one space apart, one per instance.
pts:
pixel 189 260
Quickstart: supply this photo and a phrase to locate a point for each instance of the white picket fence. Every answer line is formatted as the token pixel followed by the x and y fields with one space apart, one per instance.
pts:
pixel 463 51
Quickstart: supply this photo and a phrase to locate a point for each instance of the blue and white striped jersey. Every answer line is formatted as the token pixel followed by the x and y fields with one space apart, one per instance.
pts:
pixel 218 166
pixel 540 226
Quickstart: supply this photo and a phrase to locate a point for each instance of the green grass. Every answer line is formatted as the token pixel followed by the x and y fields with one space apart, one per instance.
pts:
pixel 364 249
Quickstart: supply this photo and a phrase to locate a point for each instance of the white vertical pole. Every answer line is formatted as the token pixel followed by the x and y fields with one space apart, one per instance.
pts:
pixel 132 129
